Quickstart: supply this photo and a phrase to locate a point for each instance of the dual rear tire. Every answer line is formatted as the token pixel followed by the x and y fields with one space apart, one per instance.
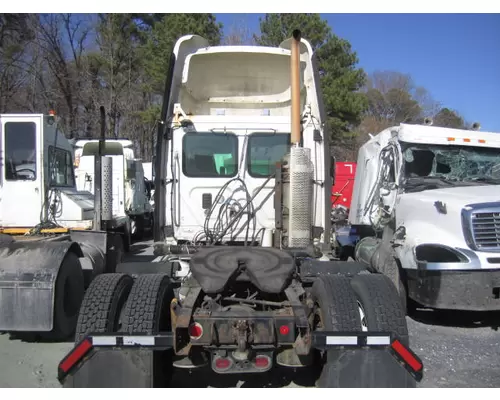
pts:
pixel 115 303
pixel 364 302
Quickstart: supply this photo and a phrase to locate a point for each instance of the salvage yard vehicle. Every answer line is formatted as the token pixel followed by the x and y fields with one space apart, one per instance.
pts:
pixel 244 277
pixel 130 194
pixel 54 239
pixel 426 211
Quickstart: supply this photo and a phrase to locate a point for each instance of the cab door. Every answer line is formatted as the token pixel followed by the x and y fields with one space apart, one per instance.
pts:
pixel 21 170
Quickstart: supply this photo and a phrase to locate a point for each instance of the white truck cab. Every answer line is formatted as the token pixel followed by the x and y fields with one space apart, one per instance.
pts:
pixel 37 169
pixel 130 195
pixel 229 124
pixel 431 198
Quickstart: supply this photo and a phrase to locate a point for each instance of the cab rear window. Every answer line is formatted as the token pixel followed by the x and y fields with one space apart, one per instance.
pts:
pixel 210 155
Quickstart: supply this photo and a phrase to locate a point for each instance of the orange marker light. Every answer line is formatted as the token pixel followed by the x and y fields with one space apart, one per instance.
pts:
pixel 482 141
pixel 466 140
pixel 451 139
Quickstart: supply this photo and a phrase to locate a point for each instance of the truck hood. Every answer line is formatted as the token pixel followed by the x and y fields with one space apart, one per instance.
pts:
pixel 459 195
pixel 427 221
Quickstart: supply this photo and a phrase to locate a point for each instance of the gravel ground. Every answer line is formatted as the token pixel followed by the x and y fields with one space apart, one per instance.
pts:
pixel 458 350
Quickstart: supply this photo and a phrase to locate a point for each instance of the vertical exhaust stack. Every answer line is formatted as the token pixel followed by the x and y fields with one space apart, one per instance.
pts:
pixel 295 87
pixel 103 186
pixel 298 200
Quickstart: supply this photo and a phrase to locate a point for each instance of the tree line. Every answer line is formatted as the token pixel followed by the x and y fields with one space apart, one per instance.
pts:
pixel 73 63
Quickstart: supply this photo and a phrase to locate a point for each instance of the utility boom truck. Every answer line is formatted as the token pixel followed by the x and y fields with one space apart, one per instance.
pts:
pixel 55 239
pixel 130 195
pixel 242 278
pixel 426 208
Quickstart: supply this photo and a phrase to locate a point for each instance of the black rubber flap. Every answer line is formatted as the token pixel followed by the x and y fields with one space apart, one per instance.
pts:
pixel 269 269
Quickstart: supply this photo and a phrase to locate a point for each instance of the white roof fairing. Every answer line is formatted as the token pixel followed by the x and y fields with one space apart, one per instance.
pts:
pixel 241 80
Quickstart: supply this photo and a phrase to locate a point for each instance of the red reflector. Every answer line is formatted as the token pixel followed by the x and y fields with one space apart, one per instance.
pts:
pixel 284 330
pixel 195 331
pixel 261 362
pixel 76 355
pixel 407 356
pixel 222 363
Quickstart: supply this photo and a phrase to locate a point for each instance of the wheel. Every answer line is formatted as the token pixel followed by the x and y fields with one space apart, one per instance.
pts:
pixel 127 238
pixel 336 310
pixel 139 223
pixel 150 224
pixel 69 292
pixel 148 311
pixel 5 239
pixel 381 307
pixel 115 252
pixel 102 304
pixel 390 268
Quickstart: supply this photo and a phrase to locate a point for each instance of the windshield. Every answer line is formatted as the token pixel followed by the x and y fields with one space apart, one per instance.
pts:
pixel 441 165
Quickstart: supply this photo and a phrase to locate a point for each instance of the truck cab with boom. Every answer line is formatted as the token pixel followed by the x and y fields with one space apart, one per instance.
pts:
pixel 243 278
pixel 426 208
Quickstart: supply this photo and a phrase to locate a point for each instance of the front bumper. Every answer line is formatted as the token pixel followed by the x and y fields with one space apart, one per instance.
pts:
pixel 477 290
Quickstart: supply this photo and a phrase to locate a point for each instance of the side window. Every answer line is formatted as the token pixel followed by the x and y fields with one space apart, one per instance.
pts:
pixel 264 151
pixel 61 171
pixel 20 151
pixel 210 155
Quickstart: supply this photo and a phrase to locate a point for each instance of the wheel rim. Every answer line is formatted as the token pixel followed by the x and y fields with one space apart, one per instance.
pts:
pixel 362 316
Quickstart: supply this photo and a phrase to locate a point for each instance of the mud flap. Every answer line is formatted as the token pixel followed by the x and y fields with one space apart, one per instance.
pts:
pixel 28 273
pixel 109 368
pixel 364 368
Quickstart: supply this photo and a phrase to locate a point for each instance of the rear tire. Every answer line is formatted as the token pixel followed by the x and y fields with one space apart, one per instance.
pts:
pixel 69 292
pixel 102 304
pixel 147 311
pixel 383 312
pixel 392 271
pixel 139 221
pixel 338 312
pixel 115 253
pixel 5 239
pixel 381 303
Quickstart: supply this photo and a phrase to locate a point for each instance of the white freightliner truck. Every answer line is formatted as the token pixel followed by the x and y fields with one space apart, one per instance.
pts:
pixel 131 197
pixel 426 206
pixel 54 239
pixel 243 278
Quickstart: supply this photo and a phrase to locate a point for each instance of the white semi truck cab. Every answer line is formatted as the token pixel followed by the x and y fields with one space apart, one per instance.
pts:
pixel 230 126
pixel 131 197
pixel 426 208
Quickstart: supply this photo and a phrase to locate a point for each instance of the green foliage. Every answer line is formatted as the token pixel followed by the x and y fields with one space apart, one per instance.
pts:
pixel 340 78
pixel 449 119
pixel 165 33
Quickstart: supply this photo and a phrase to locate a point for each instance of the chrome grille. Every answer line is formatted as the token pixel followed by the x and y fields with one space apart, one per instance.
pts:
pixel 486 229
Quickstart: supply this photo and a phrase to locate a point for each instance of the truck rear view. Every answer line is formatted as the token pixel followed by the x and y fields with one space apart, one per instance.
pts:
pixel 244 278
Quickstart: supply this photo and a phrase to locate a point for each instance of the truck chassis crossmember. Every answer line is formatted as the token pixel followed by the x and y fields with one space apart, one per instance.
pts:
pixel 319 340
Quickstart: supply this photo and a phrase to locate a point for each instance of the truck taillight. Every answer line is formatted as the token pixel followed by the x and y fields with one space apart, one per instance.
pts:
pixel 195 331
